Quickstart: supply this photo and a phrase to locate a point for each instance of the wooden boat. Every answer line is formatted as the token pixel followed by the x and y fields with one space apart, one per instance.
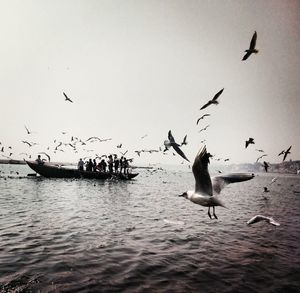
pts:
pixel 51 171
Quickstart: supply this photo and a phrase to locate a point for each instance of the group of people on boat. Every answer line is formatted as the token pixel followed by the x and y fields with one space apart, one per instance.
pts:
pixel 112 165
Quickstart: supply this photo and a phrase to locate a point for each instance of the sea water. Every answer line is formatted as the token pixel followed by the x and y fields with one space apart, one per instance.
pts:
pixel 65 235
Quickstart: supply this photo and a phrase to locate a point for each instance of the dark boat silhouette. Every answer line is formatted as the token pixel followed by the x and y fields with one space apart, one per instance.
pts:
pixel 51 171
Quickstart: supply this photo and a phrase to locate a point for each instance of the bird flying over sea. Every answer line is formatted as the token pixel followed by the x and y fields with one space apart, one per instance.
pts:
pixel 207 188
pixel 259 218
pixel 264 155
pixel 67 98
pixel 184 142
pixel 202 117
pixel 252 48
pixel 171 143
pixel 28 132
pixel 286 153
pixel 266 166
pixel 204 128
pixel 213 100
pixel 249 141
pixel 261 151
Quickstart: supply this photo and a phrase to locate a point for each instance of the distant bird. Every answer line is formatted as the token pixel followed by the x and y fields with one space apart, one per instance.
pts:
pixel 67 98
pixel 202 117
pixel 281 153
pixel 2 149
pixel 28 143
pixel 144 136
pixel 259 218
pixel 119 146
pixel 207 188
pixel 249 141
pixel 274 180
pixel 286 153
pixel 28 132
pixel 204 128
pixel 46 155
pixel 226 160
pixel 266 189
pixel 138 153
pixel 213 100
pixel 264 155
pixel 123 154
pixel 261 151
pixel 266 166
pixel 252 48
pixel 171 143
pixel 184 142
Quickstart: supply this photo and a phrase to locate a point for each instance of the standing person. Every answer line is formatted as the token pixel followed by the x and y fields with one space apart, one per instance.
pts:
pixel 89 165
pixel 80 165
pixel 121 164
pixel 94 165
pixel 110 164
pixel 117 162
pixel 103 165
pixel 39 160
pixel 126 166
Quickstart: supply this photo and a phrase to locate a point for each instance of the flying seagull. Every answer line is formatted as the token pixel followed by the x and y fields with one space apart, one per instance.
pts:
pixel 207 188
pixel 259 218
pixel 67 98
pixel 251 48
pixel 204 128
pixel 184 142
pixel 28 132
pixel 266 166
pixel 171 143
pixel 264 155
pixel 213 100
pixel 286 153
pixel 249 141
pixel 202 117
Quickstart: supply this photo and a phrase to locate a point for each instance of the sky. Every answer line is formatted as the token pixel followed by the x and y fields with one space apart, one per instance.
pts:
pixel 136 68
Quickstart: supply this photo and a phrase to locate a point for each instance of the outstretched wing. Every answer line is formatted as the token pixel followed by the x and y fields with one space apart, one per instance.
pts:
pixel 218 94
pixel 179 151
pixel 206 105
pixel 219 182
pixel 246 56
pixel 253 41
pixel 201 174
pixel 170 137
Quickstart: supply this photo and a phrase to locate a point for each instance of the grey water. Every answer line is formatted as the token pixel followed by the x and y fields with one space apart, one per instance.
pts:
pixel 68 235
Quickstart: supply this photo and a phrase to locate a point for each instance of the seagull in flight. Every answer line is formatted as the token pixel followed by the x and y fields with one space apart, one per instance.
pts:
pixel 266 166
pixel 67 98
pixel 213 100
pixel 28 132
pixel 204 128
pixel 264 155
pixel 171 143
pixel 286 153
pixel 252 48
pixel 184 142
pixel 207 188
pixel 202 117
pixel 249 141
pixel 259 218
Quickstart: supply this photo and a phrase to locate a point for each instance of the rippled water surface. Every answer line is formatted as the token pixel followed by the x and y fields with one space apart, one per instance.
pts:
pixel 139 236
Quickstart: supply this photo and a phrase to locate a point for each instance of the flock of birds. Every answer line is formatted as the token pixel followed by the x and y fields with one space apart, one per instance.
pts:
pixel 206 189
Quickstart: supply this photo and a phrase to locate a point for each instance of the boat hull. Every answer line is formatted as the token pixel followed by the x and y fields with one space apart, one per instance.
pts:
pixel 50 171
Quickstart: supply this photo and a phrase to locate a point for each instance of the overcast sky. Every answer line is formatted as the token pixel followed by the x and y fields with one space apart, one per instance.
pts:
pixel 146 67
